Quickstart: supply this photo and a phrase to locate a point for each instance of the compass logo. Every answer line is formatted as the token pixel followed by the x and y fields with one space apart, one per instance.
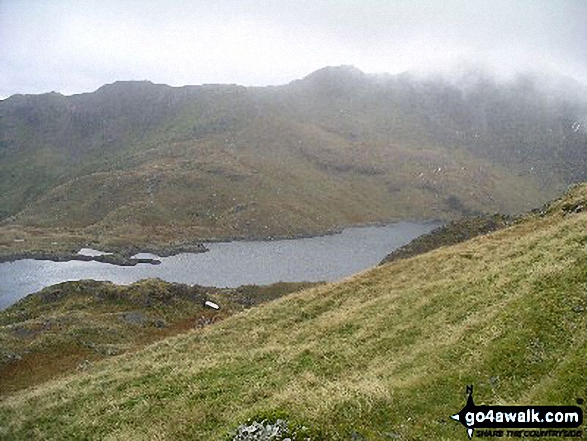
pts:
pixel 520 417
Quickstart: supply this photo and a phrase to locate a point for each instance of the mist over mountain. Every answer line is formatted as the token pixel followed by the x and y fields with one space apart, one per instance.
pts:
pixel 337 147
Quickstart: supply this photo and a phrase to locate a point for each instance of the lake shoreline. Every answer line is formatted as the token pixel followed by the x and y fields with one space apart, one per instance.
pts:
pixel 321 233
pixel 122 255
pixel 113 259
pixel 113 256
pixel 319 258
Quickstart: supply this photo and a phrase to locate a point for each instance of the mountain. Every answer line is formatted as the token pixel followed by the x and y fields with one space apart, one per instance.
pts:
pixel 145 164
pixel 385 354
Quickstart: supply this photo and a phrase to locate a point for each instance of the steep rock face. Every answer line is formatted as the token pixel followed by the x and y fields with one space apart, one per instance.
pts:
pixel 334 148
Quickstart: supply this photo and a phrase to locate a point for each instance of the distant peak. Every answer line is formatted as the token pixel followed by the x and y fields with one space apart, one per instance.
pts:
pixel 131 83
pixel 337 73
pixel 343 68
pixel 42 97
pixel 333 80
pixel 126 85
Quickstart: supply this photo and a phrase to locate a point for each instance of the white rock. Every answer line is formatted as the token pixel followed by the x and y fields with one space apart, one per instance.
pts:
pixel 211 304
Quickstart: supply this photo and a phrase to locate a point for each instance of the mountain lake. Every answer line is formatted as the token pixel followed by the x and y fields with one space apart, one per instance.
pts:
pixel 229 264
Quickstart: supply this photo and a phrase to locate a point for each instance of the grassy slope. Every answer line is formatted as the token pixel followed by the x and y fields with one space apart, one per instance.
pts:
pixel 144 164
pixel 450 234
pixel 385 353
pixel 72 324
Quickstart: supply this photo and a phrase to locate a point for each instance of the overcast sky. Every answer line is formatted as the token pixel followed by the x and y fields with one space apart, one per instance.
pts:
pixel 73 46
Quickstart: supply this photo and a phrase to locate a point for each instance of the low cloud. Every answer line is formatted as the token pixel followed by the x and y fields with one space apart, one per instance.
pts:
pixel 76 46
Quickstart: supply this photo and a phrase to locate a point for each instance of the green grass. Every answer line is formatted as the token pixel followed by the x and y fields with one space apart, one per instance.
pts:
pixel 384 354
pixel 450 234
pixel 141 164
pixel 73 324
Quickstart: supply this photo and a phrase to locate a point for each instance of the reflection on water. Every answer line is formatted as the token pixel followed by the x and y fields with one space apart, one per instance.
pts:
pixel 229 264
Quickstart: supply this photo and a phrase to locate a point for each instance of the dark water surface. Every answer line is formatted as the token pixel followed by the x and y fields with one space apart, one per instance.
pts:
pixel 229 264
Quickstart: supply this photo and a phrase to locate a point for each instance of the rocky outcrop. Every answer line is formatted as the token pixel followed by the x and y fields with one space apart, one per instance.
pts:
pixel 450 234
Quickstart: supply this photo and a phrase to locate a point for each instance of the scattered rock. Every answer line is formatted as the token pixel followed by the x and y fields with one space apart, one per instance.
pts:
pixel 203 321
pixel 9 357
pixel 263 431
pixel 111 350
pixel 84 365
pixel 159 323
pixel 134 318
pixel 51 296
pixel 88 344
pixel 22 332
pixel 113 259
pixel 572 208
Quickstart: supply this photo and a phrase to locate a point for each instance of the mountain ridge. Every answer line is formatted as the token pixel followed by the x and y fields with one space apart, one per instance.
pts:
pixel 336 148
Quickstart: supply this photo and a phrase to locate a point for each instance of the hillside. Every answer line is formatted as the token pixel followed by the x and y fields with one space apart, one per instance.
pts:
pixel 385 354
pixel 450 234
pixel 69 326
pixel 136 163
